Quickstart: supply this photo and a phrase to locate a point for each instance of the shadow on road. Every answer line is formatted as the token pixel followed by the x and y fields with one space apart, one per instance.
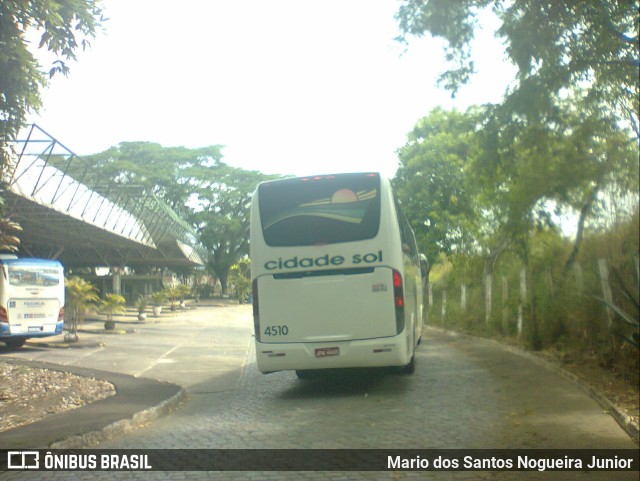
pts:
pixel 348 382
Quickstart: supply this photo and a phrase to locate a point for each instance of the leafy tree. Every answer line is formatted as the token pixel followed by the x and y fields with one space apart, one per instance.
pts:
pixel 557 46
pixel 174 174
pixel 8 241
pixel 157 298
pixel 567 159
pixel 240 277
pixel 557 137
pixel 432 184
pixel 469 182
pixel 177 292
pixel 211 196
pixel 64 26
pixel 81 298
pixel 223 218
pixel 112 304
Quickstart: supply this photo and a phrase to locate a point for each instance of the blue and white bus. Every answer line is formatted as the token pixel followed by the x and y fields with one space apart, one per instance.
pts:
pixel 31 299
pixel 335 273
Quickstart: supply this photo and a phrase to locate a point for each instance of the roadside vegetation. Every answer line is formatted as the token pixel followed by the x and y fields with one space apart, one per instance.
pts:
pixel 528 209
pixel 562 312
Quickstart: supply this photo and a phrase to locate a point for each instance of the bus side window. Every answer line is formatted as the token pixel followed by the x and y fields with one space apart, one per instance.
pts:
pixel 408 239
pixel 423 265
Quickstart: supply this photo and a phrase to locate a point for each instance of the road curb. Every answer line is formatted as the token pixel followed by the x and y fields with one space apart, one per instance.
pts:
pixel 137 401
pixel 122 426
pixel 621 417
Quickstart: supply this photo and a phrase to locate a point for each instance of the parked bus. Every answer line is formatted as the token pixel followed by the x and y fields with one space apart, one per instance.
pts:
pixel 31 299
pixel 335 273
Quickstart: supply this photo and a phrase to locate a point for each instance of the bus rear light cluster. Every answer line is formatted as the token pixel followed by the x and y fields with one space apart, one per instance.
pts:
pixel 398 299
pixel 256 310
pixel 4 317
pixel 61 315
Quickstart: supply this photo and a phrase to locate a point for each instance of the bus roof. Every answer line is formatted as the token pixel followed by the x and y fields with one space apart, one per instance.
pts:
pixel 30 261
pixel 307 178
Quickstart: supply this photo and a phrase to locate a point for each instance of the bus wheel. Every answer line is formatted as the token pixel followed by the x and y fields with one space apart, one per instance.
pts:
pixel 411 367
pixel 15 343
pixel 307 374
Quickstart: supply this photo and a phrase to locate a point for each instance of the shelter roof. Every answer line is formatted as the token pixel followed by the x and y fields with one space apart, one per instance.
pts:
pixel 88 223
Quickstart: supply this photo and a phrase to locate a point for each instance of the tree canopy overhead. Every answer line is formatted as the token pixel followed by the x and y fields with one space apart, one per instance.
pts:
pixel 465 185
pixel 557 46
pixel 211 196
pixel 63 26
pixel 562 136
pixel 432 184
pixel 174 174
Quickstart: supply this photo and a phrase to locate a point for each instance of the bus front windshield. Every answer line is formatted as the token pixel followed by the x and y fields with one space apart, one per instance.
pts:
pixel 320 210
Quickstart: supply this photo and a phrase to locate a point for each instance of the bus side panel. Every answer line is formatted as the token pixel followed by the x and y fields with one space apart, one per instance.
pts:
pixel 327 307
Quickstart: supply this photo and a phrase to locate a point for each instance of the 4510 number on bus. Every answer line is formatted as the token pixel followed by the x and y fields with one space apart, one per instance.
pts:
pixel 276 331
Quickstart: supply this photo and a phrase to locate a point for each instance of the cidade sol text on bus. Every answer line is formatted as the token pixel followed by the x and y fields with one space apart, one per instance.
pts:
pixel 322 261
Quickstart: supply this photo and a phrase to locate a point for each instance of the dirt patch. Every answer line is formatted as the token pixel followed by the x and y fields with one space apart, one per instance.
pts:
pixel 31 394
pixel 619 390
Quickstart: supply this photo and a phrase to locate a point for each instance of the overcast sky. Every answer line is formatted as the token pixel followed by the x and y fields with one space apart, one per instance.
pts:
pixel 286 86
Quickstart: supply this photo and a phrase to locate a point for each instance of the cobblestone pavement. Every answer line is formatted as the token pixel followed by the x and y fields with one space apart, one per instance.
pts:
pixel 464 394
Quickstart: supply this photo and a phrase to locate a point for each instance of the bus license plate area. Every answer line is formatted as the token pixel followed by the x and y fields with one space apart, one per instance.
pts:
pixel 327 351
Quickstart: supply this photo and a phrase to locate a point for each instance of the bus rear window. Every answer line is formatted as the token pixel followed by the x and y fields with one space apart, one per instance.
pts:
pixel 320 210
pixel 28 276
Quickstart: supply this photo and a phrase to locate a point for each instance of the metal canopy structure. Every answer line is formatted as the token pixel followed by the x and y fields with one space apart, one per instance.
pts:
pixel 85 221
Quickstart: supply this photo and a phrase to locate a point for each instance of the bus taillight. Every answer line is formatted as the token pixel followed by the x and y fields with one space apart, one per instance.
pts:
pixel 61 315
pixel 398 300
pixel 4 317
pixel 256 311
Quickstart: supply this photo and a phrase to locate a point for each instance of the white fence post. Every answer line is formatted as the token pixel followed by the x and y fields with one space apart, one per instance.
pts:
pixel 523 300
pixel 463 297
pixel 444 305
pixel 505 298
pixel 488 287
pixel 606 288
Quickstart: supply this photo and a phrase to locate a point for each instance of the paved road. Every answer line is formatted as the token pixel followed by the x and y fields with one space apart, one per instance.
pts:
pixel 201 349
pixel 464 394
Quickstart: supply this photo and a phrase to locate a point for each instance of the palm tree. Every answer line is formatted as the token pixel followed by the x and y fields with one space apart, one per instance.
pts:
pixel 8 241
pixel 141 305
pixel 240 277
pixel 81 299
pixel 183 291
pixel 110 305
pixel 157 298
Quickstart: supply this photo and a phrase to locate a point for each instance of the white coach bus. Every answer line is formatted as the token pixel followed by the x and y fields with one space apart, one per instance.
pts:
pixel 335 274
pixel 31 299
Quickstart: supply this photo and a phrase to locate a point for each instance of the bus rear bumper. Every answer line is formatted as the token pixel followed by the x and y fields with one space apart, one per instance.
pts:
pixel 381 352
pixel 44 331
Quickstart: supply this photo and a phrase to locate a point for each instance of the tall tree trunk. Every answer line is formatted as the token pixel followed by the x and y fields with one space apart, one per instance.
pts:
pixel 223 283
pixel 487 277
pixel 584 212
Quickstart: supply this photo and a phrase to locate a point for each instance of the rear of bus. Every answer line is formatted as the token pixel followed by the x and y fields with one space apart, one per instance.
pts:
pixel 31 299
pixel 329 275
